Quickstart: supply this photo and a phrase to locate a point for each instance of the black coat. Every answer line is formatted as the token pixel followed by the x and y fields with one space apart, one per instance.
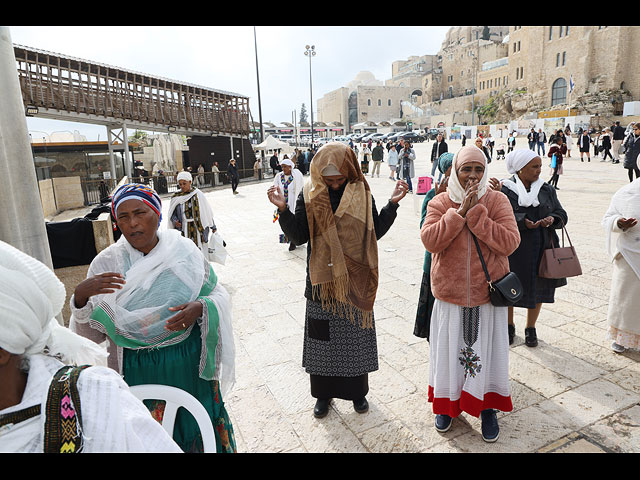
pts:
pixel 437 151
pixel 525 261
pixel 296 226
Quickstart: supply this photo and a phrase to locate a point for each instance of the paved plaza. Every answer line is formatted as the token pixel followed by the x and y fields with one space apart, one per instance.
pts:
pixel 570 394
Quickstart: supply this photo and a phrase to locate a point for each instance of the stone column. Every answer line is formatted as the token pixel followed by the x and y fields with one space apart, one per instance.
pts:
pixel 21 215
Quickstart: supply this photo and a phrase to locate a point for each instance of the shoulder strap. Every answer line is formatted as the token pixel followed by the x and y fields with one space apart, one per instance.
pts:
pixel 484 266
pixel 63 423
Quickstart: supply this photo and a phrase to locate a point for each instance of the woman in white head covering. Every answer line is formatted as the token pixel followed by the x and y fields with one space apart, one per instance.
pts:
pixel 34 350
pixel 190 212
pixel 623 246
pixel 289 181
pixel 538 214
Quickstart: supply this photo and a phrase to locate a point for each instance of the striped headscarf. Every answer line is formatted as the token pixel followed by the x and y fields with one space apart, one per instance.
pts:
pixel 140 192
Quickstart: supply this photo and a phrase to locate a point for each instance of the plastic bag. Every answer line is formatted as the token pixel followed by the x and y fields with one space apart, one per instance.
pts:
pixel 217 250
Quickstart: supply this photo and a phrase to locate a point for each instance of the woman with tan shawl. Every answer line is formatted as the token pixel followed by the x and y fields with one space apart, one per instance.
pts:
pixel 336 214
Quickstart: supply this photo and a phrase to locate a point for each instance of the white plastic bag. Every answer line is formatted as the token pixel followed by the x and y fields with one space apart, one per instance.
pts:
pixel 217 251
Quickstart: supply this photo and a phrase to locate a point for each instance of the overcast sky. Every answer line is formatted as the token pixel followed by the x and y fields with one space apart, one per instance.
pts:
pixel 224 58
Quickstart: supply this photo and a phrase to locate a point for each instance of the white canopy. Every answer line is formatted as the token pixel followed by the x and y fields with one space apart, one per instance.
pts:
pixel 272 143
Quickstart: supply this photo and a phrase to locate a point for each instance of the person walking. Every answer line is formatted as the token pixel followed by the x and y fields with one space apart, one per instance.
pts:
pixel 274 163
pixel 540 141
pixel 538 214
pixel 605 143
pixel 479 143
pixel 439 147
pixel 532 138
pixel 406 159
pixel 568 140
pixel 584 145
pixel 556 153
pixel 618 137
pixel 631 148
pixel 621 227
pixel 365 154
pixel 468 341
pixel 234 178
pixel 511 142
pixel 168 323
pixel 336 215
pixel 426 298
pixel 392 161
pixel 377 155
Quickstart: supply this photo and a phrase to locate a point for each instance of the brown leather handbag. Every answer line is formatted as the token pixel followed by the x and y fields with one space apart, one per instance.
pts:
pixel 560 262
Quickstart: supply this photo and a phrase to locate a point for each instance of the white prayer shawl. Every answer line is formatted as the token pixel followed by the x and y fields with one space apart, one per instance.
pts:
pixel 295 187
pixel 183 269
pixel 625 203
pixel 206 214
pixel 113 420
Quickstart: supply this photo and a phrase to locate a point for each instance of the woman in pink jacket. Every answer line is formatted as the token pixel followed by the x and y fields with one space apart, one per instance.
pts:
pixel 469 345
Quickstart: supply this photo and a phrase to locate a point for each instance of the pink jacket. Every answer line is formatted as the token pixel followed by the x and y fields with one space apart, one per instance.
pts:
pixel 456 272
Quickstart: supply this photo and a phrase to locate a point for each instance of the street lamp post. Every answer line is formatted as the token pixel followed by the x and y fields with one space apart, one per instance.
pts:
pixel 310 51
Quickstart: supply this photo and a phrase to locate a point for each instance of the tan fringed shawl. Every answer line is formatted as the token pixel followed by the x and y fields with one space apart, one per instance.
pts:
pixel 343 267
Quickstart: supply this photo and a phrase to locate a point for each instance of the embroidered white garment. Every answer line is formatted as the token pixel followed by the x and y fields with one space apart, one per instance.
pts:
pixel 206 214
pixel 113 420
pixel 294 189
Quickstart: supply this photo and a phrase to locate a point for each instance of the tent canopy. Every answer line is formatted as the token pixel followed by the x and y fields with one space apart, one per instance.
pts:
pixel 272 143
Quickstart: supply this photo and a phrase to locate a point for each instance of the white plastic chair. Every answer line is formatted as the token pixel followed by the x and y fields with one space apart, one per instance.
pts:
pixel 176 398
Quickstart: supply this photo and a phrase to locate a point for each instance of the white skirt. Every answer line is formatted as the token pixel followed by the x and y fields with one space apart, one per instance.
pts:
pixel 469 359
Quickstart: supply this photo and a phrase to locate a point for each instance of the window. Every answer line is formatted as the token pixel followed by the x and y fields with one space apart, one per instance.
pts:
pixel 564 58
pixel 550 33
pixel 559 92
pixel 389 102
pixel 557 59
pixel 368 102
pixel 379 102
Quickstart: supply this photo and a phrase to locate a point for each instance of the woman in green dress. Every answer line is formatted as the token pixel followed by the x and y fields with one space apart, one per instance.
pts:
pixel 156 301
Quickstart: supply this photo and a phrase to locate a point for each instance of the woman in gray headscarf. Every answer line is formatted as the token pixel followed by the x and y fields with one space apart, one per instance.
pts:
pixel 538 214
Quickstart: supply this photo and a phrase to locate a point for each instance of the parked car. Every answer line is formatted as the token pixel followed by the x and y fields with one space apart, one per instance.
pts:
pixel 413 137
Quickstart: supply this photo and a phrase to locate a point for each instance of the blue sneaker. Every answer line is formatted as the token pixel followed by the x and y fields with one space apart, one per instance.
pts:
pixel 443 423
pixel 490 429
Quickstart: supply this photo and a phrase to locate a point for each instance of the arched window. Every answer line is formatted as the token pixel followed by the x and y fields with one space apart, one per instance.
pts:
pixel 559 92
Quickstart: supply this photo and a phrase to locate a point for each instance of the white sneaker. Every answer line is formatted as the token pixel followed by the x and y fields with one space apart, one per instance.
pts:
pixel 617 348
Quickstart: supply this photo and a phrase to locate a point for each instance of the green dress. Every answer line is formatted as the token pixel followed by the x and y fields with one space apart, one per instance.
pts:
pixel 177 366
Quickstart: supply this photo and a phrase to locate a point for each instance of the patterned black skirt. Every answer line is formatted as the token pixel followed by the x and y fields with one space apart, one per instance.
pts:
pixel 337 354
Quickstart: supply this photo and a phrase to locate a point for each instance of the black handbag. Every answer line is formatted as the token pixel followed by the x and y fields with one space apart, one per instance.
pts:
pixel 505 292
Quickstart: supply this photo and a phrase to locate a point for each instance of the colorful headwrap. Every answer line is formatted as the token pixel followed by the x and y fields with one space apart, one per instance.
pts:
pixel 445 161
pixel 140 192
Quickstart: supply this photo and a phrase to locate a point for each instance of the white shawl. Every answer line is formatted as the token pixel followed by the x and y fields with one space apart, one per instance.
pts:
pixel 206 214
pixel 515 161
pixel 295 187
pixel 625 203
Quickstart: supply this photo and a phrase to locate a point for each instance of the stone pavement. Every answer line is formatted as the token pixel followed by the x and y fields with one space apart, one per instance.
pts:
pixel 570 394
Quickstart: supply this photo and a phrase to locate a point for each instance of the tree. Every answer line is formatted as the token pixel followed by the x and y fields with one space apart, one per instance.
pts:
pixel 303 113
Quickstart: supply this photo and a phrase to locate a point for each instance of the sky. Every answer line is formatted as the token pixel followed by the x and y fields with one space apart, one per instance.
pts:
pixel 224 58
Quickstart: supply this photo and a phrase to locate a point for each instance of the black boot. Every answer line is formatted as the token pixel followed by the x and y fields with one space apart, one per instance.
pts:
pixel 530 337
pixel 322 407
pixel 361 405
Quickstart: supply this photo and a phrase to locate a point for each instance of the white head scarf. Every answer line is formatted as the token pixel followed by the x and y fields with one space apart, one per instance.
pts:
pixel 286 161
pixel 31 297
pixel 184 176
pixel 515 161
pixel 468 154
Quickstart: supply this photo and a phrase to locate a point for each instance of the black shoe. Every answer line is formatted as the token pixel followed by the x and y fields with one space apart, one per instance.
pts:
pixel 530 337
pixel 322 407
pixel 292 247
pixel 443 423
pixel 490 428
pixel 512 333
pixel 361 406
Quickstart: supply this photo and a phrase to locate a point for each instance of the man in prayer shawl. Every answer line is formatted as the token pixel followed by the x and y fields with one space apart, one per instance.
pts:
pixel 156 301
pixel 38 373
pixel 189 212
pixel 289 182
pixel 336 214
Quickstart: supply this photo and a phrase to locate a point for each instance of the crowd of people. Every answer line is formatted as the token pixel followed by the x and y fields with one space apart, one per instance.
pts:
pixel 151 309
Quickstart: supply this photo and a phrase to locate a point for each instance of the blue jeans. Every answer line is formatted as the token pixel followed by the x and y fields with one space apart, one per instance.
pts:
pixel 540 144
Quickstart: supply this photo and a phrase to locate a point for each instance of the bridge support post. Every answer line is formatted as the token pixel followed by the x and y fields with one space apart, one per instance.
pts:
pixel 21 216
